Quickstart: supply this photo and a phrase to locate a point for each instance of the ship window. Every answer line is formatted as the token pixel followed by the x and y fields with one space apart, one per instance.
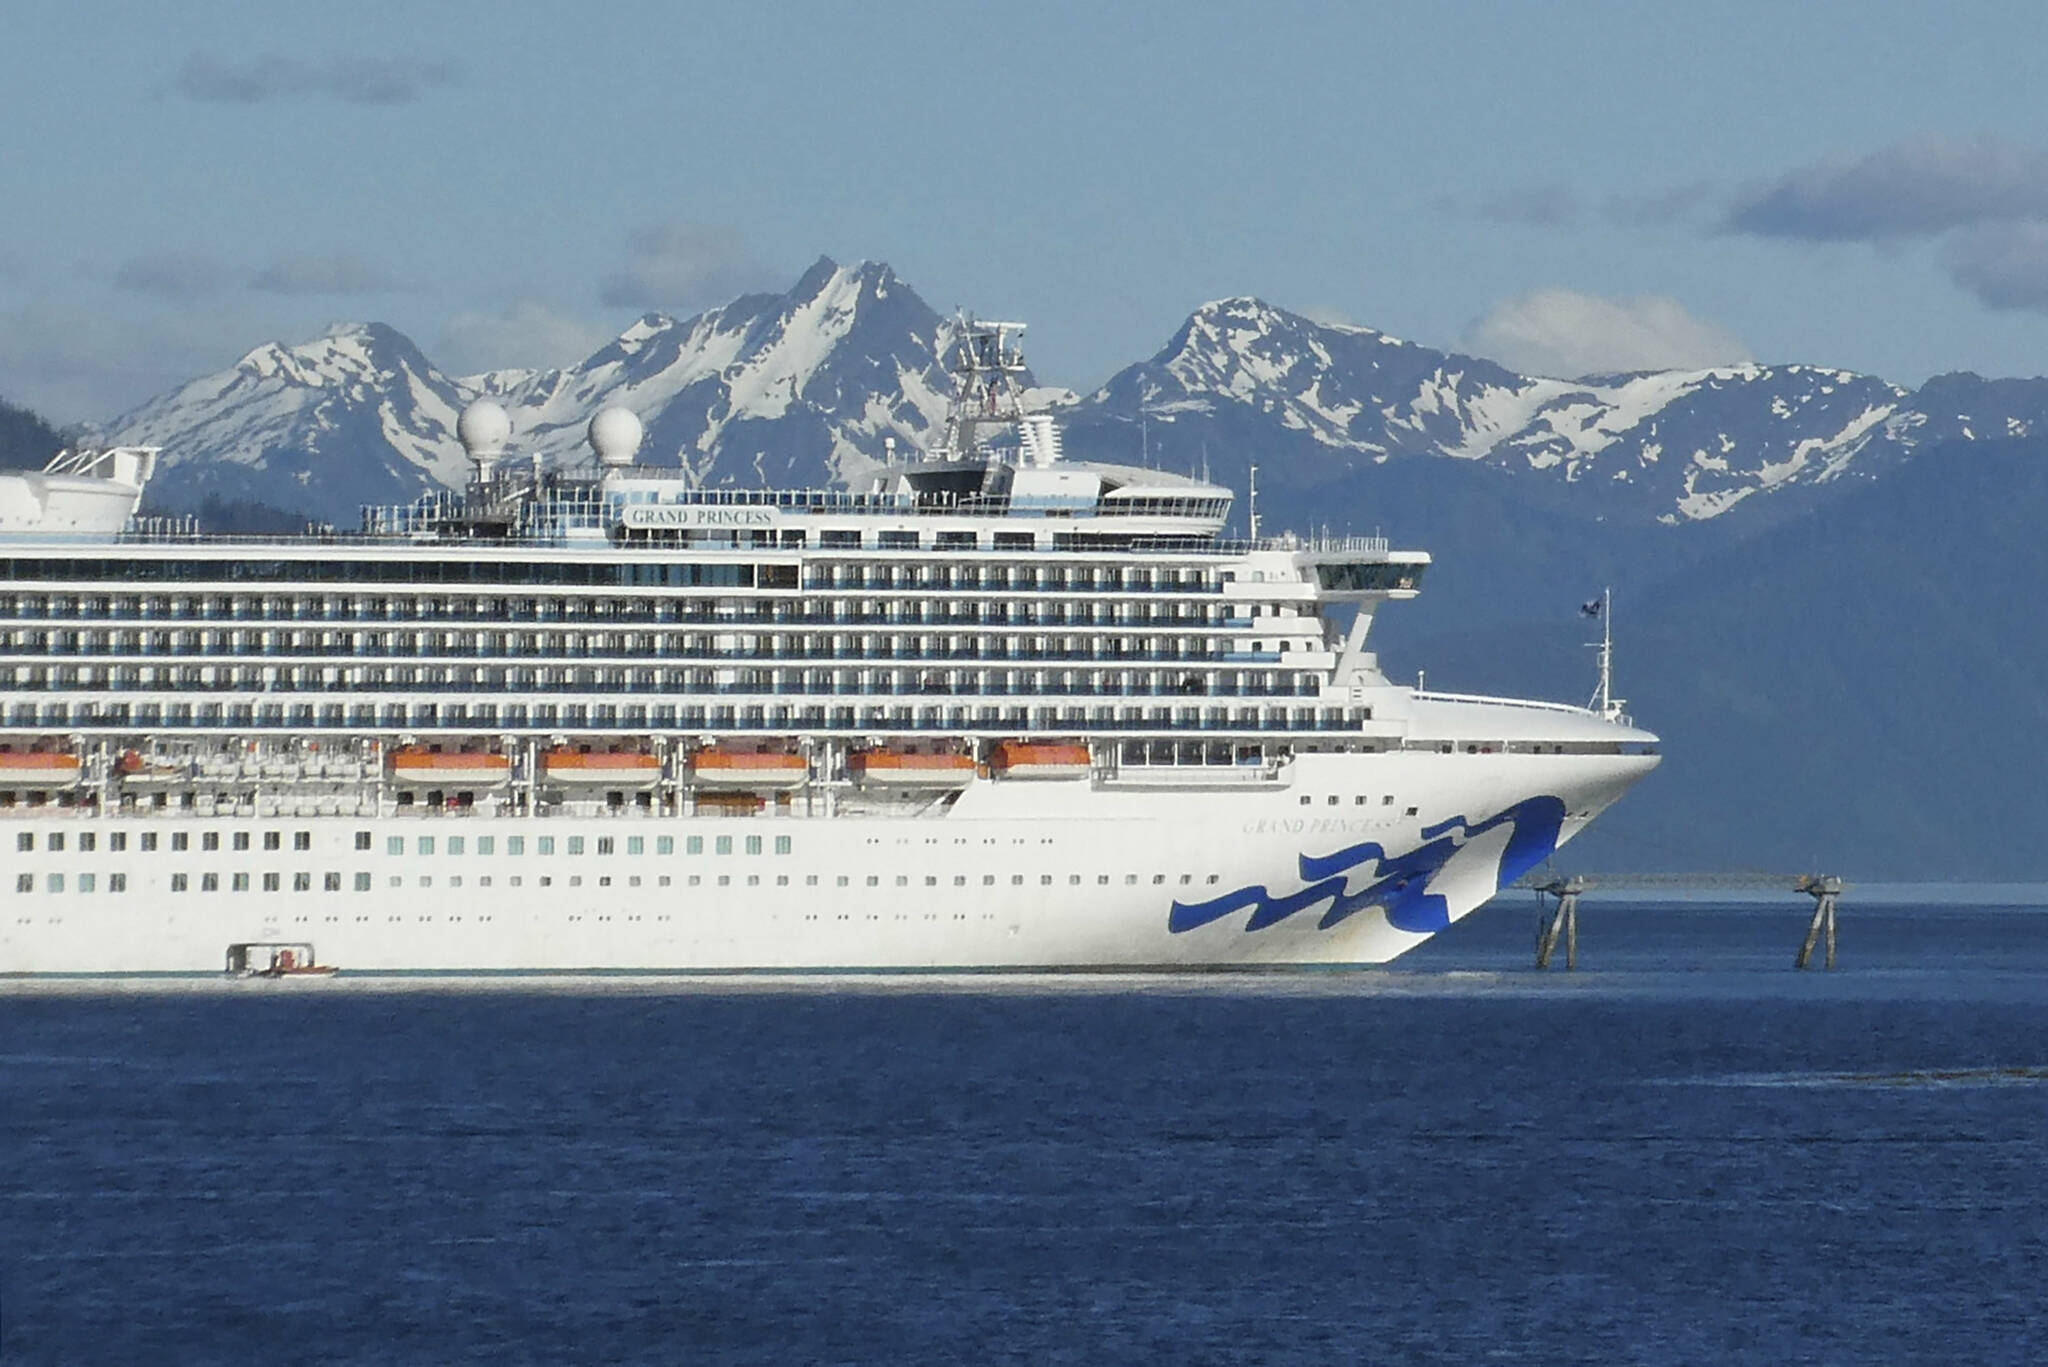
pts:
pixel 86 841
pixel 782 844
pixel 841 880
pixel 1158 878
pixel 362 840
pixel 1333 799
pixel 1387 801
pixel 724 844
pixel 753 880
pixel 270 882
pixel 516 880
pixel 177 882
pixel 988 880
pixel 57 840
pixel 180 840
pixel 635 844
pixel 329 882
pixel 544 844
pixel 302 882
pixel 25 841
pixel 575 845
pixel 302 840
pixel 239 883
pixel 426 880
pixel 209 840
pixel 455 882
pixel 693 844
pixel 85 881
pixel 487 844
pixel 149 842
pixel 362 882
pixel 874 880
pixel 394 844
pixel 1102 879
pixel 604 845
pixel 664 844
pixel 696 879
pixel 209 882
pixel 575 880
pixel 271 841
pixel 515 844
pixel 396 882
pixel 753 844
pixel 1306 799
pixel 25 882
pixel 426 844
pixel 241 840
pixel 725 880
pixel 455 844
pixel 1016 880
pixel 1411 811
pixel 902 880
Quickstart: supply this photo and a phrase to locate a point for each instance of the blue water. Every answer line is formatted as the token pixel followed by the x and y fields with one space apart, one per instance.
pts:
pixel 1684 1153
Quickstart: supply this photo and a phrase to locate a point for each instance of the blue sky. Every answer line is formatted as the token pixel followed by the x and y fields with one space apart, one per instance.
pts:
pixel 1565 187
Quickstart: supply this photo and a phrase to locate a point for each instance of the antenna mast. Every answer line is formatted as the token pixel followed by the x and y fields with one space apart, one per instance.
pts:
pixel 1252 494
pixel 1604 701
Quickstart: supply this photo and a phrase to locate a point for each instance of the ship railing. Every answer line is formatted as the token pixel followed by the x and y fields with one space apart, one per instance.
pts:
pixel 1486 700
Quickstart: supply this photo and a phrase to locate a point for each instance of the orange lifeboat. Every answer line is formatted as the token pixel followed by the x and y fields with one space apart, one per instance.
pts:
pixel 749 769
pixel 39 769
pixel 601 768
pixel 903 769
pixel 420 768
pixel 1040 759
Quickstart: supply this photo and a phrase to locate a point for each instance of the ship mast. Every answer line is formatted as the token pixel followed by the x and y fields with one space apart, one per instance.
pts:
pixel 1604 702
pixel 988 365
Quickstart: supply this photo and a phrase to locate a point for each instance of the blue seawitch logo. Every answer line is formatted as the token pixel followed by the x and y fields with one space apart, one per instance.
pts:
pixel 1400 884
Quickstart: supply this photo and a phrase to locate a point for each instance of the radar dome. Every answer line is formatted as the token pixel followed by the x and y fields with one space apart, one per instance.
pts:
pixel 615 436
pixel 483 429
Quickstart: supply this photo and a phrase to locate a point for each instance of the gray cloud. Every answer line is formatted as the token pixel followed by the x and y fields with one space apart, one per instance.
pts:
pixel 172 274
pixel 75 365
pixel 351 80
pixel 681 265
pixel 323 275
pixel 1535 204
pixel 1916 188
pixel 2004 264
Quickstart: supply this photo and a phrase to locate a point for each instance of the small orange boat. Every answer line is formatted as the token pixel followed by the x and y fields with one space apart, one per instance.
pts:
pixel 601 768
pixel 1040 759
pixel 450 768
pixel 39 769
pixel 906 769
pixel 749 768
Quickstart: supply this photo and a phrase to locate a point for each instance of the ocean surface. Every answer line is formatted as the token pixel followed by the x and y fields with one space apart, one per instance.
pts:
pixel 1686 1152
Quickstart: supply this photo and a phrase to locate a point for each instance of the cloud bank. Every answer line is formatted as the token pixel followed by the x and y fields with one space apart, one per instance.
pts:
pixel 1986 198
pixel 351 80
pixel 323 275
pixel 1567 334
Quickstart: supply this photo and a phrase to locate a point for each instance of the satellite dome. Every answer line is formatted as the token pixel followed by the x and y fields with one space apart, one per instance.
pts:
pixel 483 429
pixel 615 436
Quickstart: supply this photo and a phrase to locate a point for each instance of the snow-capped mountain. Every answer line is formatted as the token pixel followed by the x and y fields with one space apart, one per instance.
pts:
pixel 1244 380
pixel 799 388
pixel 803 388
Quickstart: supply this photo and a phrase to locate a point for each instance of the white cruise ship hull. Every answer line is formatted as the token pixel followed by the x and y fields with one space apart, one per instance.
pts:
pixel 1341 859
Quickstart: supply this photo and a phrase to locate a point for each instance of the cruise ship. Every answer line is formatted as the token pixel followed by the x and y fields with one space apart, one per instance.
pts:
pixel 1000 709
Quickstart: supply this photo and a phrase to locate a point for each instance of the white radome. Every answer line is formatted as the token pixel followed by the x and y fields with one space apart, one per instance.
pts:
pixel 615 435
pixel 484 428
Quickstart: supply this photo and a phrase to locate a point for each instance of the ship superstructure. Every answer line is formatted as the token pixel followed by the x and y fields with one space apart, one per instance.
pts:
pixel 1000 708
